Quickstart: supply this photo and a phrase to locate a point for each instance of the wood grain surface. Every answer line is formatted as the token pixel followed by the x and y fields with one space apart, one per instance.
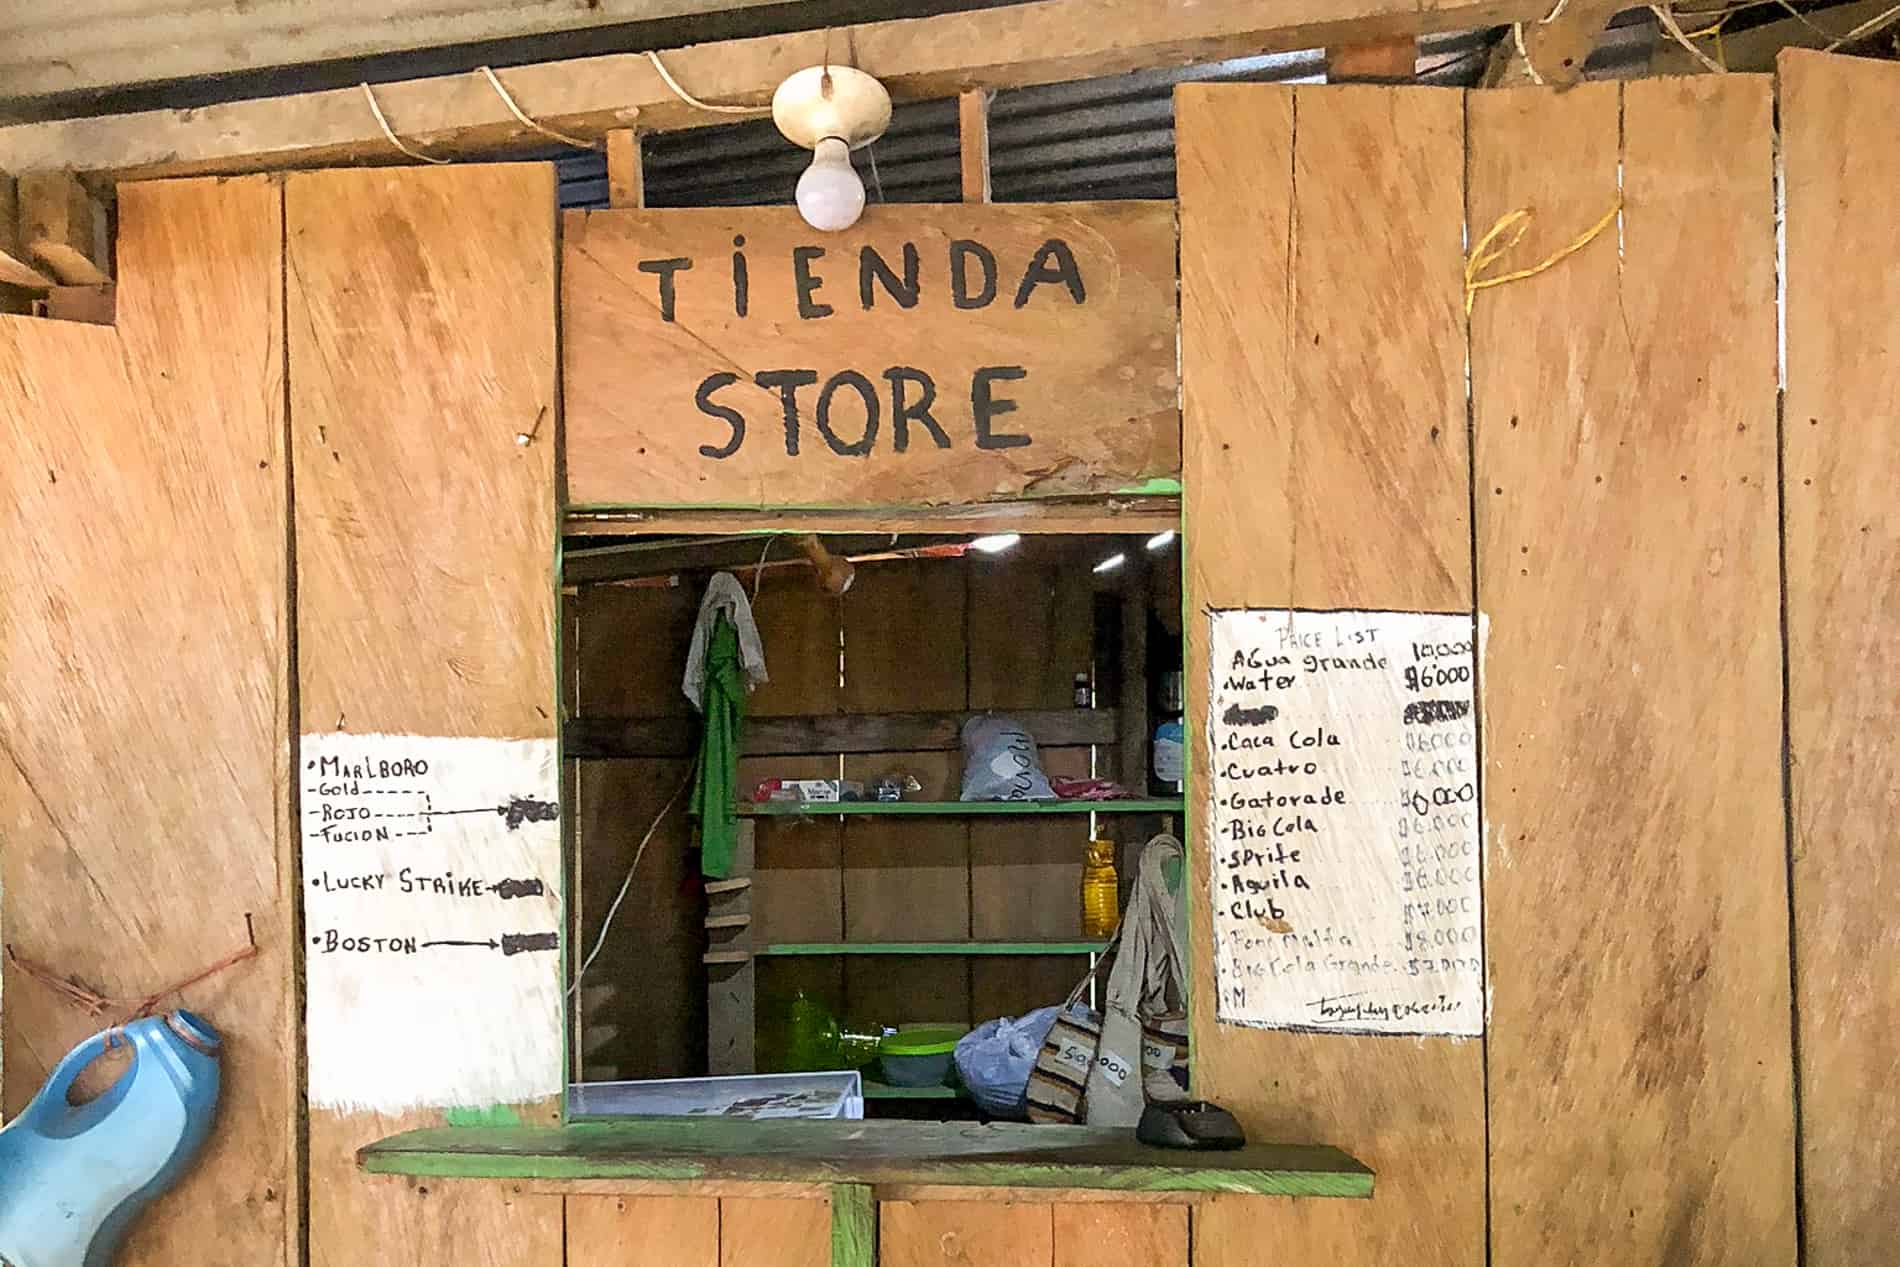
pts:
pixel 421 344
pixel 144 685
pixel 1094 1235
pixel 1324 436
pixel 1636 891
pixel 1841 457
pixel 774 1232
pixel 957 1234
pixel 1092 382
pixel 669 1231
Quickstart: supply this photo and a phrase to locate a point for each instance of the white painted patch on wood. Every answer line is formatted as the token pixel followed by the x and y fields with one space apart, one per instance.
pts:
pixel 432 908
pixel 1344 822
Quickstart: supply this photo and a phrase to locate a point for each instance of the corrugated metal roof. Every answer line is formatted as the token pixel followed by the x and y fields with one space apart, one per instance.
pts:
pixel 1089 139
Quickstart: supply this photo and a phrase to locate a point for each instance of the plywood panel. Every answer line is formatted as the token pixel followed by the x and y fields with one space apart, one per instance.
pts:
pixel 144 683
pixel 798 886
pixel 632 649
pixel 801 626
pixel 643 1232
pixel 1324 438
pixel 904 638
pixel 907 879
pixel 1097 1235
pixel 1636 893
pixel 1033 623
pixel 421 345
pixel 1026 874
pixel 1010 985
pixel 965 1234
pixel 974 352
pixel 774 1232
pixel 651 956
pixel 1842 462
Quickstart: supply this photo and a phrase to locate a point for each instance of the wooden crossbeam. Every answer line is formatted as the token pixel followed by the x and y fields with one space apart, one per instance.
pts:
pixel 1550 49
pixel 1382 61
pixel 1047 41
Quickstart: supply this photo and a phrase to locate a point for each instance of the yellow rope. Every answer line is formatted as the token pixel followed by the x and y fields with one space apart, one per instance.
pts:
pixel 1504 236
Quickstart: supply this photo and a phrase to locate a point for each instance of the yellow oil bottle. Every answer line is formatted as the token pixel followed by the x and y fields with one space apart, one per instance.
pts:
pixel 1101 890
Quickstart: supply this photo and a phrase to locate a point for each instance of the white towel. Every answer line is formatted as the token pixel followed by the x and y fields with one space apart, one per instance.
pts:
pixel 724 594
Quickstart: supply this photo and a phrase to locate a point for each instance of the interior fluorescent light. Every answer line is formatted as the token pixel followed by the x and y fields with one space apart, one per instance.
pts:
pixel 1112 562
pixel 1160 539
pixel 996 544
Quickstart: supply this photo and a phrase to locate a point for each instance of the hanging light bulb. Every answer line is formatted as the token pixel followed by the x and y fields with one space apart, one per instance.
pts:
pixel 830 194
pixel 831 110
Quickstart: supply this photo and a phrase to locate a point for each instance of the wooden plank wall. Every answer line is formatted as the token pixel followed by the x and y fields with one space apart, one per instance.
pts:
pixel 1633 1100
pixel 1326 465
pixel 421 344
pixel 1841 455
pixel 144 688
pixel 1632 756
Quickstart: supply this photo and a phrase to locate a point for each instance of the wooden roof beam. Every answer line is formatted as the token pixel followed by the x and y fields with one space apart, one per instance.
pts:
pixel 1012 46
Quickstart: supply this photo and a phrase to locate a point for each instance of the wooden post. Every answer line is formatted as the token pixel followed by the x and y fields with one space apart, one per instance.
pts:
pixel 730 972
pixel 853 1225
pixel 973 130
pixel 1133 723
pixel 59 227
pixel 1381 62
pixel 626 173
pixel 15 266
pixel 95 305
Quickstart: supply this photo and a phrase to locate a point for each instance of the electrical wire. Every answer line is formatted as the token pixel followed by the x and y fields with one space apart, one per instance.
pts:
pixel 613 910
pixel 709 106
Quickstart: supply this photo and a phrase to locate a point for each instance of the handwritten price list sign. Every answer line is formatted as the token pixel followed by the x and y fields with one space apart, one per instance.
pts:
pixel 1344 822
pixel 432 911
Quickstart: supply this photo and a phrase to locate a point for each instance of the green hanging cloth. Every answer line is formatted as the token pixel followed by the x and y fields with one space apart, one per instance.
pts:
pixel 715 786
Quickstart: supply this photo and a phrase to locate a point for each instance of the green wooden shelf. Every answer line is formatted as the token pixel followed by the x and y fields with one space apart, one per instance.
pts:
pixel 826 809
pixel 998 1154
pixel 933 948
pixel 885 1091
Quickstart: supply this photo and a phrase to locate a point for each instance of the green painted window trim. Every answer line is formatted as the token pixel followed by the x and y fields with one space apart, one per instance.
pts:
pixel 829 809
pixel 932 948
pixel 853 1225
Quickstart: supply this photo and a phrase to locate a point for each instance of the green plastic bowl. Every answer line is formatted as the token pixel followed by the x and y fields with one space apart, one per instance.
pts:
pixel 919 1055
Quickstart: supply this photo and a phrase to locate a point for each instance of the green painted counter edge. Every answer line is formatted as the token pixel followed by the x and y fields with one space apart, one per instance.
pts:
pixel 932 948
pixel 853 1225
pixel 829 809
pixel 537 1153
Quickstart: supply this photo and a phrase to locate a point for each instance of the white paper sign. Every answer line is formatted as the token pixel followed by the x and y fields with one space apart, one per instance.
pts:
pixel 432 914
pixel 1344 822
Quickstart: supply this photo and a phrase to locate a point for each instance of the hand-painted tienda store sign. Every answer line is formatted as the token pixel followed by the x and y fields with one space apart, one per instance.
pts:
pixel 931 354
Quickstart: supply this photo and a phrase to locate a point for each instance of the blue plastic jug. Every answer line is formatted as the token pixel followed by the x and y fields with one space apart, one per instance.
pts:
pixel 73 1177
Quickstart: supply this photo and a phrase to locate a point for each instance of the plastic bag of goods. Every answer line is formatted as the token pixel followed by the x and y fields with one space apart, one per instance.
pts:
pixel 994 1060
pixel 1000 762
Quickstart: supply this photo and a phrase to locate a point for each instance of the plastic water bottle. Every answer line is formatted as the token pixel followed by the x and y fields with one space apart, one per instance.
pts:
pixel 73 1177
pixel 1101 890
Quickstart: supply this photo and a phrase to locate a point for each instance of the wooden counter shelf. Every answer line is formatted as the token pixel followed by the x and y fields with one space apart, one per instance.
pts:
pixel 861 1154
pixel 824 809
pixel 933 948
